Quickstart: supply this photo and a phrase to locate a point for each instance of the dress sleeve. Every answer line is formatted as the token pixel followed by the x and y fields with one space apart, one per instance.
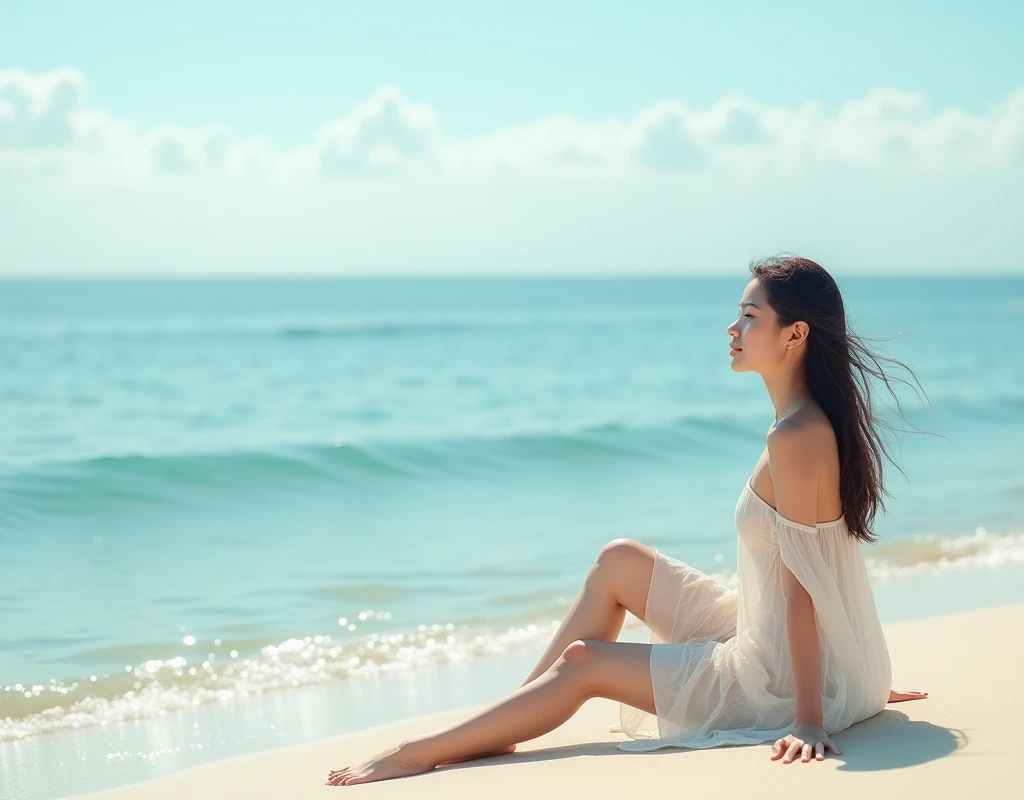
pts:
pixel 828 563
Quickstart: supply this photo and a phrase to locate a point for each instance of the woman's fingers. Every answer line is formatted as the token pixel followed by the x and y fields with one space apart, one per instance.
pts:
pixel 791 747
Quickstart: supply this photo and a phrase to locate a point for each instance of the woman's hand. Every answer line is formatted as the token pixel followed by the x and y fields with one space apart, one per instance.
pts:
pixel 809 740
pixel 910 694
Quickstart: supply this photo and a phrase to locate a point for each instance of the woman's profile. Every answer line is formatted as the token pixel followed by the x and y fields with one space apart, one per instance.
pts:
pixel 793 655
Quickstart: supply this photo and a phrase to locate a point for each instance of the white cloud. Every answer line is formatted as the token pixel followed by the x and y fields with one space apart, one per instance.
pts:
pixel 45 118
pixel 384 134
pixel 38 111
pixel 743 127
pixel 170 154
pixel 175 150
pixel 666 143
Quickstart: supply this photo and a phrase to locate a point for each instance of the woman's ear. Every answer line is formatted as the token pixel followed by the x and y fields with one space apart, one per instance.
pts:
pixel 801 330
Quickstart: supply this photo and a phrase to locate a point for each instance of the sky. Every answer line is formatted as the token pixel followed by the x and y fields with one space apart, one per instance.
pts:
pixel 525 138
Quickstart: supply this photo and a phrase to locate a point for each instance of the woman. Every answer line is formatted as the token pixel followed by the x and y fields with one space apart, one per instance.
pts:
pixel 797 652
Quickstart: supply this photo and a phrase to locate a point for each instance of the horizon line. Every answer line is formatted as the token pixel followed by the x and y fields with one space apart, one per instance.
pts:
pixel 173 277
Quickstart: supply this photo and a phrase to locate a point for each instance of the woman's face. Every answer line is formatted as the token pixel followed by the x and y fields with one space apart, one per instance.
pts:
pixel 754 332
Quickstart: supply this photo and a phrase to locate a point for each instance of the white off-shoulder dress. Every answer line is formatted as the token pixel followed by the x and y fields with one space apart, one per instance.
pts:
pixel 720 664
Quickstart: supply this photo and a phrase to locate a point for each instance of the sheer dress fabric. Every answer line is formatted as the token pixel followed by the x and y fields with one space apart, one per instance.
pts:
pixel 720 665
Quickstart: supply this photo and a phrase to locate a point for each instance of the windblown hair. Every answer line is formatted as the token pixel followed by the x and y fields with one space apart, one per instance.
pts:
pixel 836 366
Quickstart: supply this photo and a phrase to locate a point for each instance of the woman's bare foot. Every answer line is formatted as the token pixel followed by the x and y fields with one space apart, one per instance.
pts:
pixel 394 763
pixel 499 752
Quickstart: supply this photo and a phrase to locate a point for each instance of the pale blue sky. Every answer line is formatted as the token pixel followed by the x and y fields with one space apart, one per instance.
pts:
pixel 293 76
pixel 282 68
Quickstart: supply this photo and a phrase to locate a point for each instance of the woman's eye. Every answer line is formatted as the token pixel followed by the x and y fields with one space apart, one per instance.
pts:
pixel 746 315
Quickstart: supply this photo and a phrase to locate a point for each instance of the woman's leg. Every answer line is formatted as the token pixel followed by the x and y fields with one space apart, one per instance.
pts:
pixel 616 670
pixel 619 581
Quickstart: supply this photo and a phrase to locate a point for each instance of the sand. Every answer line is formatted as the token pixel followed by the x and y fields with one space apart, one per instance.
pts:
pixel 965 737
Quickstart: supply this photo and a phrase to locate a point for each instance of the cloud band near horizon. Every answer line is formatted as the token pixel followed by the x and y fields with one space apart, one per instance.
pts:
pixel 48 127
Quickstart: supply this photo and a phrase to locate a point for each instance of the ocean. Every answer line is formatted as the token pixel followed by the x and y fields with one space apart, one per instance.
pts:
pixel 238 514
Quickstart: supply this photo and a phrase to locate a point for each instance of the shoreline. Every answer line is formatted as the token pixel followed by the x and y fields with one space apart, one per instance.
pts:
pixel 973 699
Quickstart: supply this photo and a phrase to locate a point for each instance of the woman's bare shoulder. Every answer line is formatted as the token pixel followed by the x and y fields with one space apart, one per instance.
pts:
pixel 806 426
pixel 803 440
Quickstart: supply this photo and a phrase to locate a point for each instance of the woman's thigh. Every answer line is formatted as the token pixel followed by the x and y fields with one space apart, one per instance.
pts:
pixel 620 671
pixel 676 600
pixel 686 604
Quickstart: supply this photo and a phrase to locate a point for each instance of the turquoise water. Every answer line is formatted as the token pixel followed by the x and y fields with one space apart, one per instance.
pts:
pixel 211 490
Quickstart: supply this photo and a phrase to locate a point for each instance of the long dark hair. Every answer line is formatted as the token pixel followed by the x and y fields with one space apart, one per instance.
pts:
pixel 836 367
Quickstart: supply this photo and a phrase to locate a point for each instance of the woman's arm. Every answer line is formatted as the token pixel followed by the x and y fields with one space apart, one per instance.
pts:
pixel 804 652
pixel 793 459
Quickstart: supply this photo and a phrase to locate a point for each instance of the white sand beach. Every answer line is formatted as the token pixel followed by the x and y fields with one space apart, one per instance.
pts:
pixel 963 738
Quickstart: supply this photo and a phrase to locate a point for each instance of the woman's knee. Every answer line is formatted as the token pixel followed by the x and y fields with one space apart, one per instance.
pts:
pixel 618 547
pixel 577 657
pixel 617 553
pixel 576 652
pixel 577 662
pixel 625 567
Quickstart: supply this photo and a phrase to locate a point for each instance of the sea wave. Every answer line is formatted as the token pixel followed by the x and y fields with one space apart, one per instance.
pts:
pixel 73 487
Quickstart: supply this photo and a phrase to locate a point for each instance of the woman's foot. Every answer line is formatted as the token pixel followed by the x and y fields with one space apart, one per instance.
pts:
pixel 501 751
pixel 397 762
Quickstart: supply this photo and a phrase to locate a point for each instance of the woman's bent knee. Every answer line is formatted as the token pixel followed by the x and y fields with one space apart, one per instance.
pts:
pixel 577 662
pixel 619 548
pixel 625 567
pixel 618 555
pixel 575 651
